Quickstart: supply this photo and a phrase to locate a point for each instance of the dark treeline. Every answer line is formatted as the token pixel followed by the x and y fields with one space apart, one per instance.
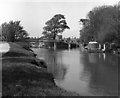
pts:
pixel 102 25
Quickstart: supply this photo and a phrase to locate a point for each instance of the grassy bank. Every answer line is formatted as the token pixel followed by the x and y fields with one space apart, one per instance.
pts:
pixel 25 75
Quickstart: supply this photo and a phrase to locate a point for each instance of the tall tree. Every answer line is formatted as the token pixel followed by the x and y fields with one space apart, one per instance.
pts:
pixel 103 24
pixel 57 24
pixel 13 31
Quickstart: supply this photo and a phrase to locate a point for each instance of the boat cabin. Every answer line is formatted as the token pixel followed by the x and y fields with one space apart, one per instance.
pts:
pixel 93 46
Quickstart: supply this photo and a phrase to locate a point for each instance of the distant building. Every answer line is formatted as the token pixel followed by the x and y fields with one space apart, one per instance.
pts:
pixel 59 37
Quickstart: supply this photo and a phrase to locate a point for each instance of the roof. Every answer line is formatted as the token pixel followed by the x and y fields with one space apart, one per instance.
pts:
pixel 93 42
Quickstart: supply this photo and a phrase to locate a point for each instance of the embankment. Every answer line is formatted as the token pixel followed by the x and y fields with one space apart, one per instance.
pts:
pixel 25 75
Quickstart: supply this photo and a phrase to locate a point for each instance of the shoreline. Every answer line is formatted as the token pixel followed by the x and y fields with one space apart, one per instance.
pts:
pixel 24 75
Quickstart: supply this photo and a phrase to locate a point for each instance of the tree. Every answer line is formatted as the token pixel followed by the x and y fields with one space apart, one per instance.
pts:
pixel 86 34
pixel 55 25
pixel 5 31
pixel 103 25
pixel 13 31
pixel 21 34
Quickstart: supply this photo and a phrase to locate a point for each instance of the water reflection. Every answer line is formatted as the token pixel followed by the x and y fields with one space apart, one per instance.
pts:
pixel 84 73
pixel 104 74
pixel 93 57
pixel 54 60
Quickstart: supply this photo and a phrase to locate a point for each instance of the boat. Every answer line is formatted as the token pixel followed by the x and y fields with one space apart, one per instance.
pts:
pixel 94 47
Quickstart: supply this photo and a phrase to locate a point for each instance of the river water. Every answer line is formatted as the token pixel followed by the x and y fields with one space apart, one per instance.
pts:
pixel 89 74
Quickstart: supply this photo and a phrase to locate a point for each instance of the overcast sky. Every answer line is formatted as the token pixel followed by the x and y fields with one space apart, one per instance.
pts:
pixel 34 13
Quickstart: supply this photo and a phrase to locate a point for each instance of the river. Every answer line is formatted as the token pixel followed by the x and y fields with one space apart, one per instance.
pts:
pixel 89 74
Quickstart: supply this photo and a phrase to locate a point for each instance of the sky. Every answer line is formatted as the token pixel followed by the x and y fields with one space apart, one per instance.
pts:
pixel 34 13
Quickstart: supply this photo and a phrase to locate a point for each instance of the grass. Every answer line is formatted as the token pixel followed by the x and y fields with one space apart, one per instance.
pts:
pixel 16 51
pixel 27 80
pixel 24 75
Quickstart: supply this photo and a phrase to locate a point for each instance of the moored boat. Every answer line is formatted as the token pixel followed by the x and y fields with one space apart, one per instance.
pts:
pixel 94 47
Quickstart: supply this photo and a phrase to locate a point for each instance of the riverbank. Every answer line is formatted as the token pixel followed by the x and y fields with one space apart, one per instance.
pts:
pixel 95 50
pixel 25 75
